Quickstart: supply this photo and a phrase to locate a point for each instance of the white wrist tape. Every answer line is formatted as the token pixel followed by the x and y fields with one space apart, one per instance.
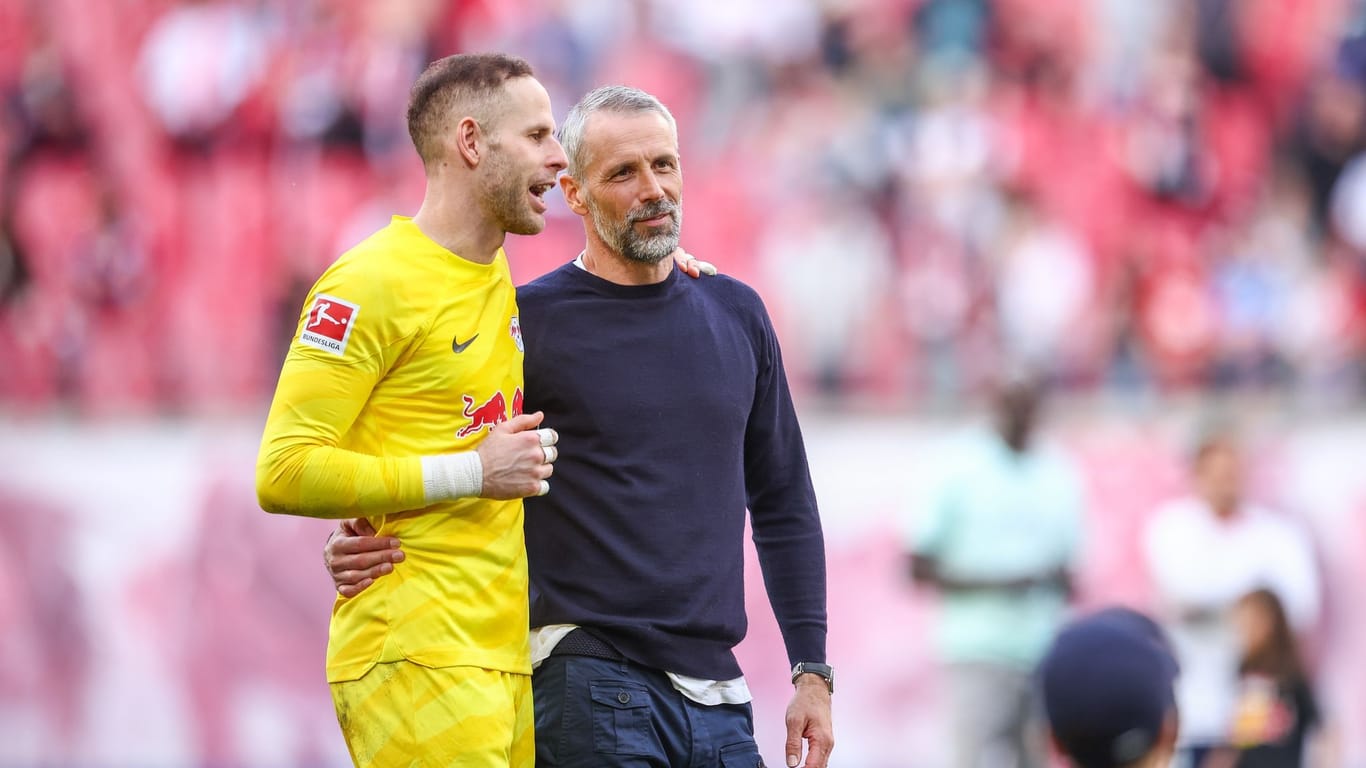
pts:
pixel 452 476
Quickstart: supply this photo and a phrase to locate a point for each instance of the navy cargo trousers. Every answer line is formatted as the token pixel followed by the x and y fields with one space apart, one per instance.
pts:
pixel 597 713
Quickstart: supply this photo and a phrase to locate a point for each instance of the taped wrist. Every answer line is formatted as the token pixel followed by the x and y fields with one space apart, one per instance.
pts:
pixel 452 476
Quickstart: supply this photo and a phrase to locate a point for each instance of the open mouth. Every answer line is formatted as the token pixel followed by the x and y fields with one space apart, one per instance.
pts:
pixel 538 195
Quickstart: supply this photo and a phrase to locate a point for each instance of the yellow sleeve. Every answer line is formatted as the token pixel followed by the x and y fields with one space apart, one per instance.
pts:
pixel 300 469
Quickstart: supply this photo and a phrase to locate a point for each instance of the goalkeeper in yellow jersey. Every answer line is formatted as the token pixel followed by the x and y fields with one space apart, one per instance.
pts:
pixel 400 401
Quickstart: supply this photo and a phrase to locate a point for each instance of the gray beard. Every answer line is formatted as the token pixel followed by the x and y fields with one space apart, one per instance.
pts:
pixel 623 239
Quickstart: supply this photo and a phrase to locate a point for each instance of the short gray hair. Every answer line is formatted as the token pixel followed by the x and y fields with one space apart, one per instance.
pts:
pixel 608 98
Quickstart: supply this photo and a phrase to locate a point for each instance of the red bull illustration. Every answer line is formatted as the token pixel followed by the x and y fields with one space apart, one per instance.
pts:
pixel 490 413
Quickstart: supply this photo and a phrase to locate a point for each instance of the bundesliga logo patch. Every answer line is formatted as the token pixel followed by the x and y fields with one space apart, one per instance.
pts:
pixel 515 329
pixel 329 324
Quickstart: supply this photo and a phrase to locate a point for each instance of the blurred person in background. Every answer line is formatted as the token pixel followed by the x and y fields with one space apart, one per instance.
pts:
pixel 1107 688
pixel 1205 552
pixel 999 543
pixel 636 559
pixel 1045 290
pixel 51 649
pixel 1164 150
pixel 367 421
pixel 48 157
pixel 1261 269
pixel 393 48
pixel 199 63
pixel 825 230
pixel 41 111
pixel 1330 129
pixel 1277 713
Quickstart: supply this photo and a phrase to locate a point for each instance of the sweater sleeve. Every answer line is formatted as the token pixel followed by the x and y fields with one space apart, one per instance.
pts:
pixel 782 503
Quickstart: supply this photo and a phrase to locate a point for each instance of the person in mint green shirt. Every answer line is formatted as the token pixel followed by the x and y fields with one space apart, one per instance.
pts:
pixel 998 541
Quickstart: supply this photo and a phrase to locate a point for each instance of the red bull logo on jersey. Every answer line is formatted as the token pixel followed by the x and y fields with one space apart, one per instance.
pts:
pixel 488 414
pixel 328 325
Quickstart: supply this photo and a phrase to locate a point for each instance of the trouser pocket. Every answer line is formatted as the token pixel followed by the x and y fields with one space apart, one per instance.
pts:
pixel 621 719
pixel 744 755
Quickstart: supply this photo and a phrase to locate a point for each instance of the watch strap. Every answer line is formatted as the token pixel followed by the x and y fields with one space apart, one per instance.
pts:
pixel 825 671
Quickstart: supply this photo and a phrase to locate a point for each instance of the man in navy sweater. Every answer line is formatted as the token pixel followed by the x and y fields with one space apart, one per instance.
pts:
pixel 674 416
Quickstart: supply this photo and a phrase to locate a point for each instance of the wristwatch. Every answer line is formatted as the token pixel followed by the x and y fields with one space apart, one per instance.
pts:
pixel 824 671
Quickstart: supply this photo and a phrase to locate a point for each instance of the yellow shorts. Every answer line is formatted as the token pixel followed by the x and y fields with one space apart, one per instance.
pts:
pixel 408 715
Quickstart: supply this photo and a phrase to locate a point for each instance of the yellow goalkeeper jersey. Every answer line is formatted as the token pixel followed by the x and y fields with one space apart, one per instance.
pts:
pixel 405 350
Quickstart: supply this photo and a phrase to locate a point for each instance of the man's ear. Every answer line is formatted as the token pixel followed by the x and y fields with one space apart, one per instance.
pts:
pixel 1171 726
pixel 573 194
pixel 1056 753
pixel 466 139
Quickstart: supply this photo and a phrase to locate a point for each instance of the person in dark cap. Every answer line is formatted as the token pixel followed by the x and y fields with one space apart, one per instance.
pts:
pixel 1107 684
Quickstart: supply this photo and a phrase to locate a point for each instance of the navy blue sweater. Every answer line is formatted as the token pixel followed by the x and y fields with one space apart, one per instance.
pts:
pixel 674 416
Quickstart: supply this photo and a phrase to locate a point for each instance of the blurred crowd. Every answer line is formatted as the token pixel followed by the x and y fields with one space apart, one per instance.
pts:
pixel 1160 196
pixel 1238 588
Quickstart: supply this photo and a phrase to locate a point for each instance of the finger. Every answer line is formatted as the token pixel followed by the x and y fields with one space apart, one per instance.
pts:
pixel 354 545
pixel 521 422
pixel 685 262
pixel 817 753
pixel 793 746
pixel 551 453
pixel 548 436
pixel 373 573
pixel 357 576
pixel 362 526
pixel 366 560
pixel 705 267
pixel 544 489
pixel 351 590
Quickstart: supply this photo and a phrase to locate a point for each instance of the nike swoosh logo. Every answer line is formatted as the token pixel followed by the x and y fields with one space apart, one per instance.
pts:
pixel 458 347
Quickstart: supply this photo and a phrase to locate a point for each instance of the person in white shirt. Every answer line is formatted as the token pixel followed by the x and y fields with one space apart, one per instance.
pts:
pixel 1206 551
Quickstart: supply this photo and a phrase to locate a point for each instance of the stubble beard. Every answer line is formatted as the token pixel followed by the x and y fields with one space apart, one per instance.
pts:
pixel 622 237
pixel 504 197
